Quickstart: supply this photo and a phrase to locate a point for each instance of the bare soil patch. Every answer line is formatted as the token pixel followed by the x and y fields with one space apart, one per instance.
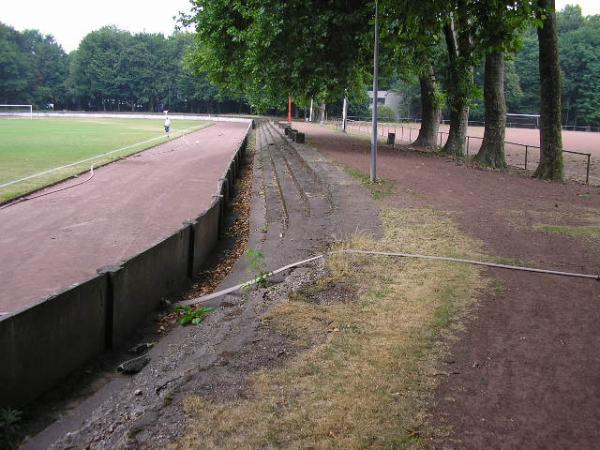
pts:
pixel 524 373
pixel 516 155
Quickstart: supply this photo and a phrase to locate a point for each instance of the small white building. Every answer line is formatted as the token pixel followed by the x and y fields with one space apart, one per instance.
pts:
pixel 391 99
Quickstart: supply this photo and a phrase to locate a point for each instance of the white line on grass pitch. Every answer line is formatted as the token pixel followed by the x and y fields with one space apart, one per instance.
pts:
pixel 46 172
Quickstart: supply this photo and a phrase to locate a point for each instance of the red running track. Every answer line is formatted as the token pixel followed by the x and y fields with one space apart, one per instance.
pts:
pixel 52 242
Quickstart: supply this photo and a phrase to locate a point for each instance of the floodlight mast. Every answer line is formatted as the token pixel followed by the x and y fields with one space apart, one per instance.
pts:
pixel 373 176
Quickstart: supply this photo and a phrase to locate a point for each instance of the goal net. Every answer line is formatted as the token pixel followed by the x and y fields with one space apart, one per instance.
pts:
pixel 522 120
pixel 25 111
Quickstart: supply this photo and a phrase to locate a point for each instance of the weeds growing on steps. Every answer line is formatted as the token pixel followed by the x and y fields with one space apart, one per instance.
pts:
pixel 9 428
pixel 193 316
pixel 256 260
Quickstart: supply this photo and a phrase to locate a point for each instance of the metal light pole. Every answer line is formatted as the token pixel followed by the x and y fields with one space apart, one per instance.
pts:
pixel 345 111
pixel 373 176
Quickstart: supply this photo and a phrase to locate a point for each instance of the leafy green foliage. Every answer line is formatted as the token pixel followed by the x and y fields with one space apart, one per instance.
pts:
pixel 33 68
pixel 193 316
pixel 579 42
pixel 385 113
pixel 270 49
pixel 111 70
pixel 9 428
pixel 256 260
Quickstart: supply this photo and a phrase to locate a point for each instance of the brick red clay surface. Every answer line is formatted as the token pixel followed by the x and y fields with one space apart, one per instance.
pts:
pixel 51 242
pixel 577 141
pixel 526 372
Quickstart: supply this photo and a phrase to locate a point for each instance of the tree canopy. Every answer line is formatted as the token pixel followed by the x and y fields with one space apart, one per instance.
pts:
pixel 111 70
pixel 33 67
pixel 268 50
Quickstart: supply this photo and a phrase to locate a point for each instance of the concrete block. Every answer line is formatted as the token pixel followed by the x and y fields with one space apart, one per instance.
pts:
pixel 225 191
pixel 139 284
pixel 42 344
pixel 205 236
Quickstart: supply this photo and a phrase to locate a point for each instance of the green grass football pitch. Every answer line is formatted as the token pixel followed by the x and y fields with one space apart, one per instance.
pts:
pixel 32 146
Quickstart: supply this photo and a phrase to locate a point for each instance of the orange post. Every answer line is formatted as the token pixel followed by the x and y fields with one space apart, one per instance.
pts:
pixel 289 109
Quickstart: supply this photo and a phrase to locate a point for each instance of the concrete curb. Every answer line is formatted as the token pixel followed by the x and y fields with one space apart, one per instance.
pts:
pixel 157 116
pixel 43 343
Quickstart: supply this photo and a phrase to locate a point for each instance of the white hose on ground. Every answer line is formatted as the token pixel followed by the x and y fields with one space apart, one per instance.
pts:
pixel 208 297
pixel 31 197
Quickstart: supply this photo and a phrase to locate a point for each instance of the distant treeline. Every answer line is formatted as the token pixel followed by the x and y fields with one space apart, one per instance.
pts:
pixel 112 70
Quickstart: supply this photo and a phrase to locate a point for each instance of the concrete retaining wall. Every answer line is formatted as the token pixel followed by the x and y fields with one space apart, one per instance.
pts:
pixel 205 234
pixel 142 281
pixel 42 344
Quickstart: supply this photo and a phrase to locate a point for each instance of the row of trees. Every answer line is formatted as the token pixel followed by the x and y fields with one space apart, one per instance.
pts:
pixel 33 67
pixel 264 51
pixel 112 70
pixel 317 50
pixel 579 43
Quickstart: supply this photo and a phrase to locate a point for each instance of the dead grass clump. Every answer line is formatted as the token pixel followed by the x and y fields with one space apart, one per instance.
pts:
pixel 577 231
pixel 367 375
pixel 531 218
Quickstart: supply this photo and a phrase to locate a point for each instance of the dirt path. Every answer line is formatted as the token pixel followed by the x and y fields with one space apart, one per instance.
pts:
pixel 54 241
pixel 516 153
pixel 525 373
pixel 301 204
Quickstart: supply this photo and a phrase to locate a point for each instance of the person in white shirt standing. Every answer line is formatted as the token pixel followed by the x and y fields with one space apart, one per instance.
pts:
pixel 167 125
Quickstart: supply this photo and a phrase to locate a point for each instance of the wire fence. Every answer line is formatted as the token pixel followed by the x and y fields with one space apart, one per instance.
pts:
pixel 510 123
pixel 519 155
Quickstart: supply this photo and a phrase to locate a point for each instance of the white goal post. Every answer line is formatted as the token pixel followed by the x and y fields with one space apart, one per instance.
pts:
pixel 522 120
pixel 16 111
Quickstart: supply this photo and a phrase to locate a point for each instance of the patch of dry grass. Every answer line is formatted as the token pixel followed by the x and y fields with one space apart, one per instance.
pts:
pixel 379 189
pixel 585 224
pixel 528 218
pixel 581 231
pixel 368 372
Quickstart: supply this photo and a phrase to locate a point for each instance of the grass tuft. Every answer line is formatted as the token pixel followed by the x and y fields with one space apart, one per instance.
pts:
pixel 379 190
pixel 585 231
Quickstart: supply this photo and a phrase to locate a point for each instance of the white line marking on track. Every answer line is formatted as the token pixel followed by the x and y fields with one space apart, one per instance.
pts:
pixel 46 172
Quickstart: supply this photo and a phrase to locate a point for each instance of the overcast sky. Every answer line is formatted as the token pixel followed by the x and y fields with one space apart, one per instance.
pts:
pixel 70 20
pixel 589 7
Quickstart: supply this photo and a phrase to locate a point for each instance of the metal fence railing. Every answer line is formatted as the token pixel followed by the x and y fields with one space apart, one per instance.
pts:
pixel 517 154
pixel 510 123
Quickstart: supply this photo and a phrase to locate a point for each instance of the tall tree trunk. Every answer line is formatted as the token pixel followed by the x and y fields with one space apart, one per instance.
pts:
pixel 322 114
pixel 551 157
pixel 460 81
pixel 431 112
pixel 491 152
